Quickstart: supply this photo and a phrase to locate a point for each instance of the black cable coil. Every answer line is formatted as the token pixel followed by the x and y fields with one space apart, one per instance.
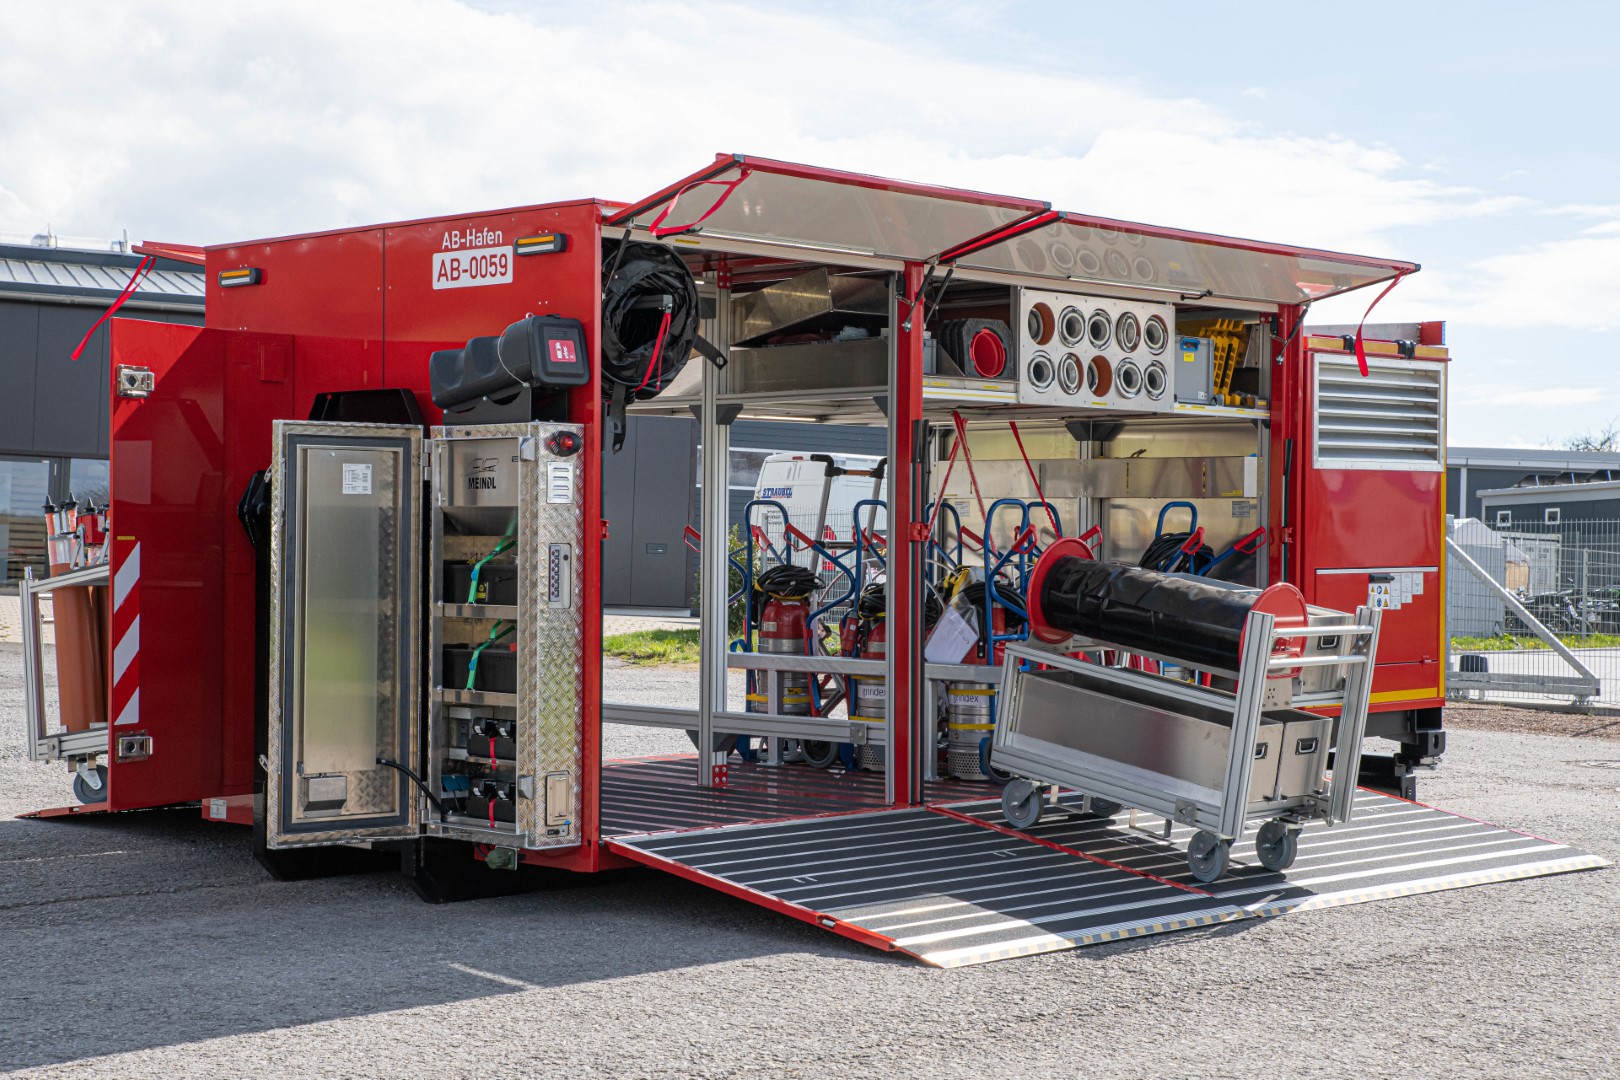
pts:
pixel 1159 552
pixel 786 582
pixel 873 603
pixel 1006 594
pixel 637 289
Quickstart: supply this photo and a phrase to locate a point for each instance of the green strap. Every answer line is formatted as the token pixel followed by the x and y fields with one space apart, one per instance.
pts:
pixel 472 585
pixel 495 634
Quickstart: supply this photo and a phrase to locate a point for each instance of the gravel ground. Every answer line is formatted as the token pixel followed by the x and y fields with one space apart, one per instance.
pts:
pixel 151 945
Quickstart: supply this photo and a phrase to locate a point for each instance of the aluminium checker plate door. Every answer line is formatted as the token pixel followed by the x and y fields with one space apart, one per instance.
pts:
pixel 345 653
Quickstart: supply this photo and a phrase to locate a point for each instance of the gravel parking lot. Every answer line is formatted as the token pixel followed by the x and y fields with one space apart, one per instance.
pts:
pixel 151 945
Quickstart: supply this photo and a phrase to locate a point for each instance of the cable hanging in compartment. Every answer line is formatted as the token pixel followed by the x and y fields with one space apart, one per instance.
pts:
pixel 650 318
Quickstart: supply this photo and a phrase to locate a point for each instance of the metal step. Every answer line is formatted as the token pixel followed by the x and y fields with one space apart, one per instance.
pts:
pixel 955 887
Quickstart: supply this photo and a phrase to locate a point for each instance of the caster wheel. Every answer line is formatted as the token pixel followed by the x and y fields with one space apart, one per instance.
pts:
pixel 87 794
pixel 1104 807
pixel 995 775
pixel 1208 855
pixel 820 755
pixel 1276 845
pixel 1022 802
pixel 721 741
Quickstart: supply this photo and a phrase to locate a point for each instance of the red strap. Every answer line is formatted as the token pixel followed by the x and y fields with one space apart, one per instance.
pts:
pixel 793 530
pixel 944 485
pixel 1031 470
pixel 1361 351
pixel 493 761
pixel 141 271
pixel 967 456
pixel 657 358
pixel 492 808
pixel 730 186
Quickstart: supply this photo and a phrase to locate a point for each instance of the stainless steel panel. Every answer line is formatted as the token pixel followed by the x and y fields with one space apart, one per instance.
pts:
pixel 1139 727
pixel 344 674
pixel 1170 477
pixel 477 472
pixel 826 365
pixel 344 654
pixel 817 300
pixel 1304 744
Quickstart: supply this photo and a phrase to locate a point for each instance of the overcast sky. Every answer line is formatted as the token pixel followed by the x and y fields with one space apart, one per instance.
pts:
pixel 1477 139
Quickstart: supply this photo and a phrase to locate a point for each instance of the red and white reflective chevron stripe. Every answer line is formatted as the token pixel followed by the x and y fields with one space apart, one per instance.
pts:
pixel 126 633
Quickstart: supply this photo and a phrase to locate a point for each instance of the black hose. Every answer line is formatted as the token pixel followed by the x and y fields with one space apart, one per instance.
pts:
pixel 642 282
pixel 419 782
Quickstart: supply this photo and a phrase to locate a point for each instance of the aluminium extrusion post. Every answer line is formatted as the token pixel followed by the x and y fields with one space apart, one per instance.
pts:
pixel 33 664
pixel 1353 718
pixel 903 670
pixel 1251 693
pixel 714 576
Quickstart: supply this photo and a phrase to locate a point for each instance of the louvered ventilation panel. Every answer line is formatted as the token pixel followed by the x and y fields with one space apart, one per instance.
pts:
pixel 1393 418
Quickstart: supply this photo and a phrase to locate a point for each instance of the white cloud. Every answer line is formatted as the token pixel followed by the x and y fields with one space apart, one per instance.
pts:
pixel 1519 395
pixel 1253 92
pixel 233 121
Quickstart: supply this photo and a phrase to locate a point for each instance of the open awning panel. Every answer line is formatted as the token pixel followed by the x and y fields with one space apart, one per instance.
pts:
pixel 831 212
pixel 1088 249
pixel 776 202
pixel 953 886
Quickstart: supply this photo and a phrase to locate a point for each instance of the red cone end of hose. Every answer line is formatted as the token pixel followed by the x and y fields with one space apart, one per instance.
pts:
pixel 1064 548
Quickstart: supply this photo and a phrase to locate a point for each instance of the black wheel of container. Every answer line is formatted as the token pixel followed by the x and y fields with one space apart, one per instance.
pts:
pixel 995 775
pixel 1022 802
pixel 722 741
pixel 87 794
pixel 1105 807
pixel 1276 845
pixel 819 754
pixel 1208 855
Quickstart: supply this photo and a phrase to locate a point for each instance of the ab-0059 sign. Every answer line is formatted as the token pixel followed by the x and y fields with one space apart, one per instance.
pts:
pixel 480 266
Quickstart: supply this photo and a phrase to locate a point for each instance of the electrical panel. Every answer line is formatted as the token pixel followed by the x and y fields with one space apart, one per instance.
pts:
pixel 1094 352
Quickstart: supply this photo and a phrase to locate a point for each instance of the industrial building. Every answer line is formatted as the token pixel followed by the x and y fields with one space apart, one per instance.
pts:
pixel 1472 471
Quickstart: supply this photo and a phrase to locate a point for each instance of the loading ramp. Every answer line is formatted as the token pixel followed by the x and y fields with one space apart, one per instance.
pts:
pixel 952 885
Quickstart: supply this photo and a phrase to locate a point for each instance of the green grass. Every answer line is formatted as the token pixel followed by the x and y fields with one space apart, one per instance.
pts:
pixel 653 646
pixel 1505 643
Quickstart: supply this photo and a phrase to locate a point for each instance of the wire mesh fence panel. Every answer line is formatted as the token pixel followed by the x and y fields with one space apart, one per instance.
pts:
pixel 1533 610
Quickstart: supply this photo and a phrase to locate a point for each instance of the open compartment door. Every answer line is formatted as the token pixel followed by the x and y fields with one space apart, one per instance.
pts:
pixel 782 204
pixel 1124 254
pixel 345 653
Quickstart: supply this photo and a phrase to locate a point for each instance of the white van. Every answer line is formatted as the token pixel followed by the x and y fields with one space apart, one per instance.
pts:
pixel 819 492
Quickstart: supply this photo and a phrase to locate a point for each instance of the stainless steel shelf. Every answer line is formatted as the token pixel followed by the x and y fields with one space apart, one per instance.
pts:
pixel 477 697
pixel 479 611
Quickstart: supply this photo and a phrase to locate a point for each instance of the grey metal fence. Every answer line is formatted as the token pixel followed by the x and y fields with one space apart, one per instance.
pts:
pixel 1533 610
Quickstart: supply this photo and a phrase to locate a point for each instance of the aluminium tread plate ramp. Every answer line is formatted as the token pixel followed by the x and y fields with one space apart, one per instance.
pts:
pixel 956 887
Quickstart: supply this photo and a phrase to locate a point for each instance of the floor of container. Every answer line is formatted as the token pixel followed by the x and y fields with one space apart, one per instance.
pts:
pixel 952 884
pixel 660 794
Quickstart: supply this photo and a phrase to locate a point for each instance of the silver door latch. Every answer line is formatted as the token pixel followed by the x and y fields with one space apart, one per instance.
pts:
pixel 135 382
